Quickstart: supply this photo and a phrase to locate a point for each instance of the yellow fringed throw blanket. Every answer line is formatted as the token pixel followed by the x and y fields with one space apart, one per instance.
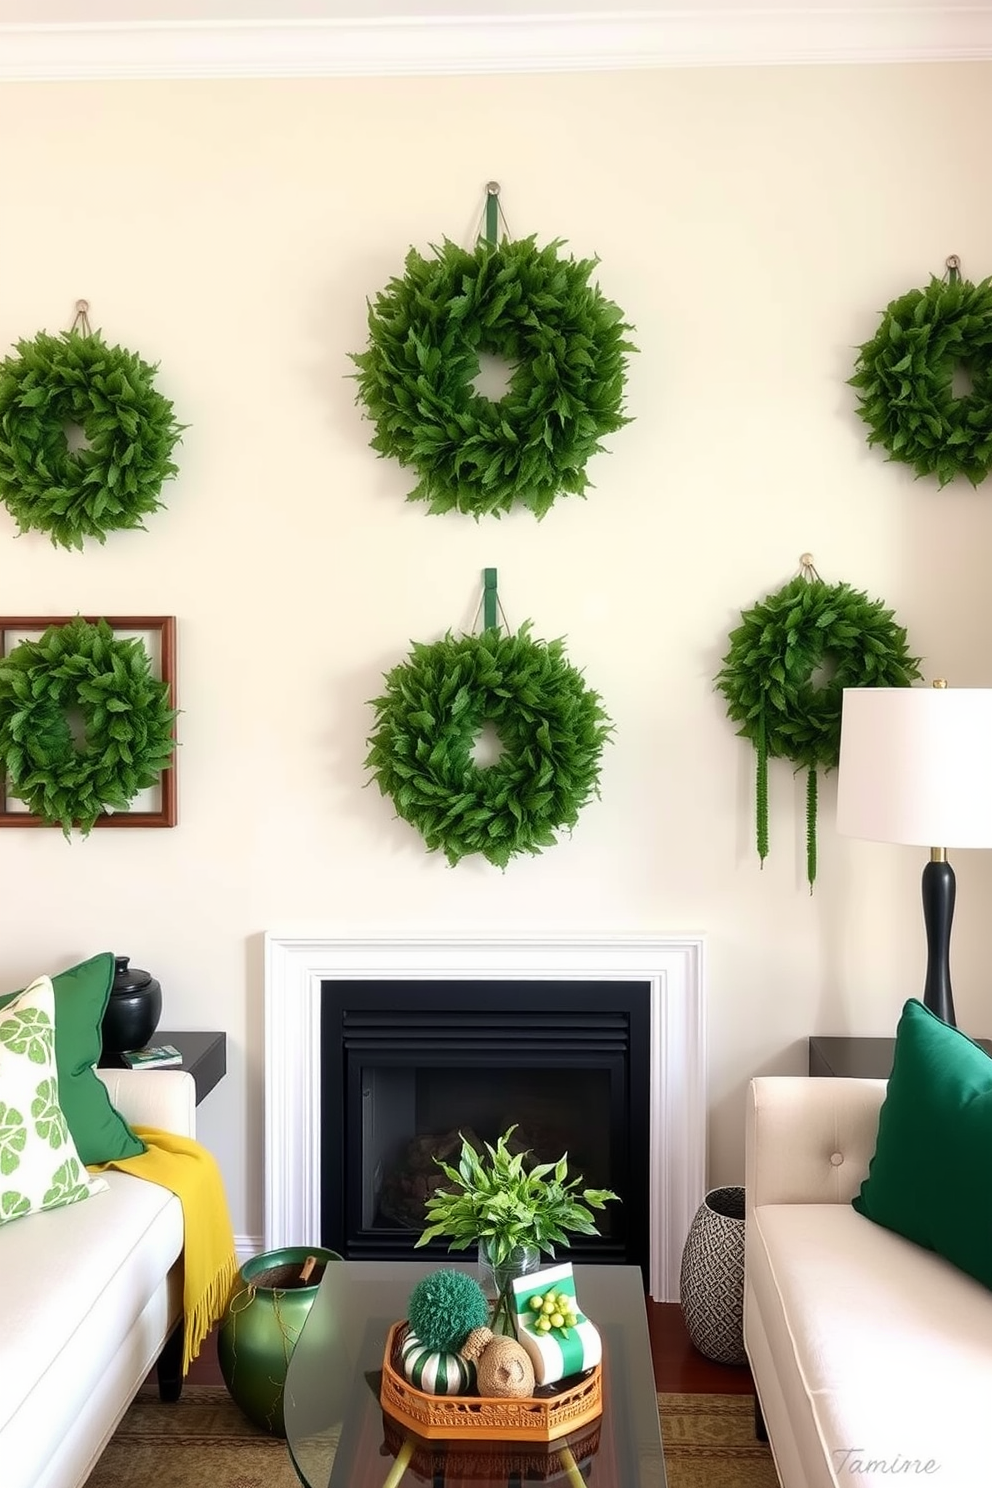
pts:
pixel 189 1171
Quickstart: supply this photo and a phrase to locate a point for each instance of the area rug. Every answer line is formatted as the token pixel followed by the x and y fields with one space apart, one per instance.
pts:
pixel 205 1442
pixel 710 1443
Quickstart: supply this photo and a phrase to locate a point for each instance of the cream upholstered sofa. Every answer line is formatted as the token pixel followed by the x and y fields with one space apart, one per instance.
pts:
pixel 91 1295
pixel 871 1356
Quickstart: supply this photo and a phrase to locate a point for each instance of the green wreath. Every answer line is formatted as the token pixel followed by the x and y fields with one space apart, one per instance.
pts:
pixel 128 723
pixel 130 432
pixel 551 727
pixel 769 680
pixel 563 339
pixel 904 379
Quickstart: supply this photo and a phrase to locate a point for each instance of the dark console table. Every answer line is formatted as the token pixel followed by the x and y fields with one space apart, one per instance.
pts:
pixel 858 1058
pixel 204 1057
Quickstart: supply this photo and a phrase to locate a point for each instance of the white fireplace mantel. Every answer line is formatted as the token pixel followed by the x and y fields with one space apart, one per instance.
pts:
pixel 297 963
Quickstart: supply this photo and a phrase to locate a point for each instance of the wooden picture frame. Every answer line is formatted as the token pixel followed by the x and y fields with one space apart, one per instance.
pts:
pixel 161 629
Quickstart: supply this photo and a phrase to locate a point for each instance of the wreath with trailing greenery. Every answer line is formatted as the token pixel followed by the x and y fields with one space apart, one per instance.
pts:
pixel 904 376
pixel 785 673
pixel 127 723
pixel 74 379
pixel 565 342
pixel 550 725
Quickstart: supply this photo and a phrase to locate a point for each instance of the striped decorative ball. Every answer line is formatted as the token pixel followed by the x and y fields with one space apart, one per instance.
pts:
pixel 434 1372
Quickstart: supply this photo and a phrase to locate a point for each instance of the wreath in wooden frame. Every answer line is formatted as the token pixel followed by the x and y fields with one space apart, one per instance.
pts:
pixel 126 713
pixel 904 376
pixel 551 727
pixel 771 679
pixel 565 341
pixel 76 380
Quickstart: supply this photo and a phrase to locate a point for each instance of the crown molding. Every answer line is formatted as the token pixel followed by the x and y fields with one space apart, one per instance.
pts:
pixel 429 45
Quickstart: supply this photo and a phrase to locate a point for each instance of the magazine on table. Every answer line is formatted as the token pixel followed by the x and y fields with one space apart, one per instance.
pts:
pixel 157 1054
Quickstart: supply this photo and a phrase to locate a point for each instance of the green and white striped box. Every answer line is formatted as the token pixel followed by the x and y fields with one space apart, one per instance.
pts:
pixel 561 1350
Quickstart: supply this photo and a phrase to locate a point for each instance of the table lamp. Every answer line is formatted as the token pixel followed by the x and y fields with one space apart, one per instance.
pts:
pixel 916 767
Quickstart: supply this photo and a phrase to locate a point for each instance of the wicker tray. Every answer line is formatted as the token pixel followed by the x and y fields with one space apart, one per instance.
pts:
pixel 483 1418
pixel 471 1461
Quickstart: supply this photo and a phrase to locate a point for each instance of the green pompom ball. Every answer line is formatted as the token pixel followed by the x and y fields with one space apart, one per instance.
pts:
pixel 444 1308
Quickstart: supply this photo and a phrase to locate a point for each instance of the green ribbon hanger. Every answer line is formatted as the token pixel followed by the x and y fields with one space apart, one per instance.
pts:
pixel 492 213
pixel 490 600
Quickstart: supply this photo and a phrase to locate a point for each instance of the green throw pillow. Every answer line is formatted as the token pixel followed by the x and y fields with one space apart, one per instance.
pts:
pixel 929 1178
pixel 98 1130
pixel 39 1165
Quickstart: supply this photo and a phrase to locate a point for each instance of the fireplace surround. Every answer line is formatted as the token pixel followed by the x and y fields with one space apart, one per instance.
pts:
pixel 297 964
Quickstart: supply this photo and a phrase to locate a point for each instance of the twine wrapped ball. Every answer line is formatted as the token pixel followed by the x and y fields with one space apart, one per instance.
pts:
pixel 504 1369
pixel 478 1340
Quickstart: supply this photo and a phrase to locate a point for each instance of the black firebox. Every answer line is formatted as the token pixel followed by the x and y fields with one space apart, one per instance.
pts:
pixel 407 1067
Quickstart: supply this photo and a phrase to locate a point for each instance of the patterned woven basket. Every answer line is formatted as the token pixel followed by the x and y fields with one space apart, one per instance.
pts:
pixel 474 1417
pixel 711 1286
pixel 470 1461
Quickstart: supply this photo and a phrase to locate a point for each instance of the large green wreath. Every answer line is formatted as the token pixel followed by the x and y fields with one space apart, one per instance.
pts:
pixel 130 432
pixel 551 726
pixel 785 673
pixel 128 723
pixel 904 377
pixel 563 339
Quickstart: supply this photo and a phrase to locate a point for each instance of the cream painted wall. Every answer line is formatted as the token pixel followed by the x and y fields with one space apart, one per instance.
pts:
pixel 752 224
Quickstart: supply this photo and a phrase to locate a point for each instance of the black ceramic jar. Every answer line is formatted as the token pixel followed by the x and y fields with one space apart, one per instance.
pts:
pixel 133 1008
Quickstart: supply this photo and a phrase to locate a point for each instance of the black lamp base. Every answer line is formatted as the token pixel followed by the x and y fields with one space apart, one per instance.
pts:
pixel 938 912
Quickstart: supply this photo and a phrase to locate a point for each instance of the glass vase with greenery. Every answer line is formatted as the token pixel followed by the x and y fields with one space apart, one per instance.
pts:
pixel 507 1205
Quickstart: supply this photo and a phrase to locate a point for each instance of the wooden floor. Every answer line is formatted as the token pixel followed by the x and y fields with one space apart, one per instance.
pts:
pixel 680 1367
pixel 677 1365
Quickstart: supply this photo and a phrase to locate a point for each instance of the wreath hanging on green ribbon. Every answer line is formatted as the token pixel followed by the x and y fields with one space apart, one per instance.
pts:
pixel 127 723
pixel 55 383
pixel 551 727
pixel 565 342
pixel 785 673
pixel 905 379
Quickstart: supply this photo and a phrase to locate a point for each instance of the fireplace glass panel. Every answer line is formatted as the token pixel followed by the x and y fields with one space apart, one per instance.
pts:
pixel 410 1117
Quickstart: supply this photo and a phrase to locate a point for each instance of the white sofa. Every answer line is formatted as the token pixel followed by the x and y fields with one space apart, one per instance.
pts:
pixel 871 1356
pixel 91 1295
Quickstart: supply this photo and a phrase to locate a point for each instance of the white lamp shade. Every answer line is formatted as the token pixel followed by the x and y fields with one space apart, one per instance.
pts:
pixel 916 765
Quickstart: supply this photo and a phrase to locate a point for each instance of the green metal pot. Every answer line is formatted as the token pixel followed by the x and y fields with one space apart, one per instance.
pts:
pixel 263 1319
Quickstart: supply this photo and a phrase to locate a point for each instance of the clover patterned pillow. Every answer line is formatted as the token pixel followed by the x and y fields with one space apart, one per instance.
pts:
pixel 39 1164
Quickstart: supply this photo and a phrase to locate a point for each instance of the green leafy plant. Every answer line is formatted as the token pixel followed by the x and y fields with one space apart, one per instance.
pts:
pixel 551 727
pixel 127 717
pixel 785 673
pixel 506 1202
pixel 904 376
pixel 565 342
pixel 501 1198
pixel 115 479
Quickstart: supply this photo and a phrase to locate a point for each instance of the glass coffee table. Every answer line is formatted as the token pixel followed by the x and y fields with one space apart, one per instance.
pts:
pixel 339 1437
